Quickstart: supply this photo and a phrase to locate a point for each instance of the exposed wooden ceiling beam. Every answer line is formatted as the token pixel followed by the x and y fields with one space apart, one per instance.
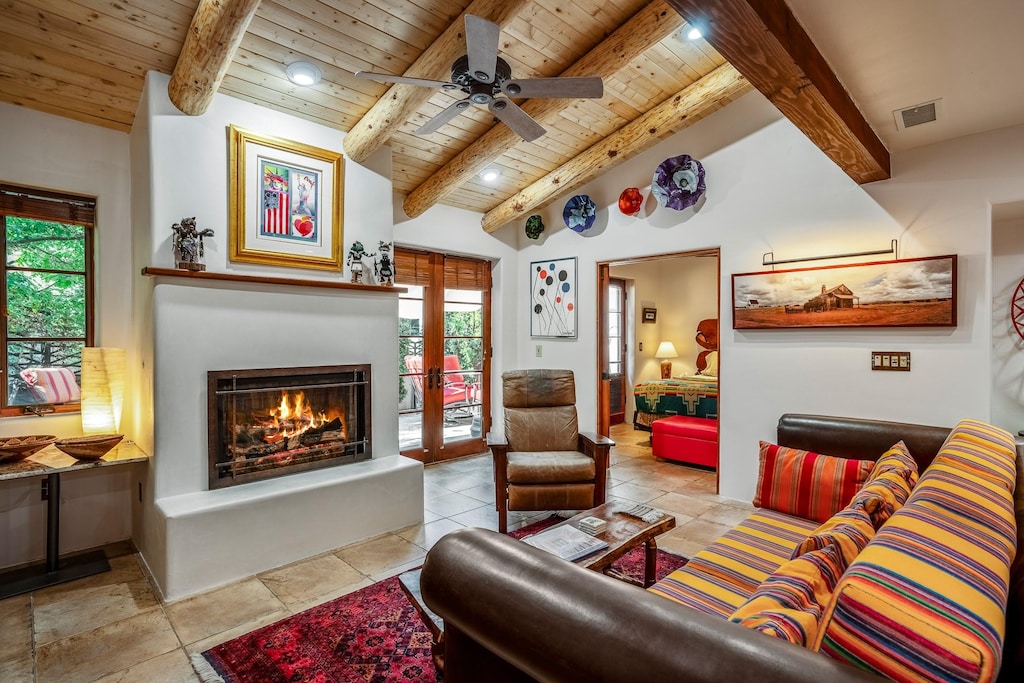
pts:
pixel 217 29
pixel 679 111
pixel 647 27
pixel 766 44
pixel 399 103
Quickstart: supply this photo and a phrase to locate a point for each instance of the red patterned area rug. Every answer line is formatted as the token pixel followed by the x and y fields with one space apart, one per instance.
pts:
pixel 373 635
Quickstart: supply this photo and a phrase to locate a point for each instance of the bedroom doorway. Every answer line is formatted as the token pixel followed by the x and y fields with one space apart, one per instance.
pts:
pixel 664 298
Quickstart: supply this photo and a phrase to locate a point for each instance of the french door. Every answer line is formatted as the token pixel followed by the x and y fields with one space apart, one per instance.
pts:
pixel 614 365
pixel 443 354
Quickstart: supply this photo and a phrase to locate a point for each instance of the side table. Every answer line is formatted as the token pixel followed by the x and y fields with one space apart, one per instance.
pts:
pixel 51 463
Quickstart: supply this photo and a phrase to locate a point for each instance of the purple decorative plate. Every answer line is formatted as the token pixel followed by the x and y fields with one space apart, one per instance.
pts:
pixel 678 182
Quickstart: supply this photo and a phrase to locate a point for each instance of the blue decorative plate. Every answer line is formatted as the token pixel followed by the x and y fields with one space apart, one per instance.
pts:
pixel 678 182
pixel 579 213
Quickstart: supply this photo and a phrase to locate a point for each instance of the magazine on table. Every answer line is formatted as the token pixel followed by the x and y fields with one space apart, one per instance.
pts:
pixel 566 542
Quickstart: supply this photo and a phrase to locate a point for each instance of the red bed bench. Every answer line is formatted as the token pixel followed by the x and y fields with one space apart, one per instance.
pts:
pixel 691 440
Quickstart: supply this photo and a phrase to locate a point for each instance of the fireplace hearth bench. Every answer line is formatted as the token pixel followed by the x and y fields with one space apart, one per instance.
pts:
pixel 936 590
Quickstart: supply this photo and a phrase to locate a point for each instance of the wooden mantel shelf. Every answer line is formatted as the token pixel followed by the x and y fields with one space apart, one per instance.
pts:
pixel 260 280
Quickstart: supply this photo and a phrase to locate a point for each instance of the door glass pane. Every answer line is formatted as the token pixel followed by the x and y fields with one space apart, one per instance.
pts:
pixel 410 368
pixel 463 363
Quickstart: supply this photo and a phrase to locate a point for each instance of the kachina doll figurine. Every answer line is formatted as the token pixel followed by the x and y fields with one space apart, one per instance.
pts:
pixel 188 244
pixel 383 269
pixel 357 255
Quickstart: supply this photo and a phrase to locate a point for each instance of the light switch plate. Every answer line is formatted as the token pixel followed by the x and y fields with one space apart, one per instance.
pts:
pixel 890 360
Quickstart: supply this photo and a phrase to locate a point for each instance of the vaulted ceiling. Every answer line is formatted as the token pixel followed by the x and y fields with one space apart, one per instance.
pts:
pixel 87 60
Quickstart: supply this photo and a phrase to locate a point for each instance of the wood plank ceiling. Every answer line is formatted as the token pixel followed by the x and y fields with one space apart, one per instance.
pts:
pixel 87 59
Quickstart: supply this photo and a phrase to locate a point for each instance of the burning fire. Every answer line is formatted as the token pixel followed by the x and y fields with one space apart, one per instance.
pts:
pixel 293 416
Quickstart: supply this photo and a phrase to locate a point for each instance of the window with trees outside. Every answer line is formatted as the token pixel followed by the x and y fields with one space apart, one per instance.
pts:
pixel 46 296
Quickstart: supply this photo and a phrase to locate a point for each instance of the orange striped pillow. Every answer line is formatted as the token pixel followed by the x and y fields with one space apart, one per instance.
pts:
pixel 790 602
pixel 806 484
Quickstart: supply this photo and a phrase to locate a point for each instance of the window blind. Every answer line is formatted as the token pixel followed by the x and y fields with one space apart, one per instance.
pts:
pixel 414 267
pixel 47 206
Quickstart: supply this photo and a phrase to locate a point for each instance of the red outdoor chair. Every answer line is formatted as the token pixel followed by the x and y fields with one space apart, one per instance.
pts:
pixel 456 390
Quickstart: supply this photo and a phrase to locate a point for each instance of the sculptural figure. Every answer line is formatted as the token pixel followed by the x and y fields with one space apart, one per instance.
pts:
pixel 383 268
pixel 188 244
pixel 356 261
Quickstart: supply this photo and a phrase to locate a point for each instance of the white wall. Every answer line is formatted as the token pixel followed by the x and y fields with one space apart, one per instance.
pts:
pixel 195 327
pixel 770 189
pixel 54 153
pixel 1007 345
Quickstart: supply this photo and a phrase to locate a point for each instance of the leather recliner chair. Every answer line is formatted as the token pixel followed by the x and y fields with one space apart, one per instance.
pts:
pixel 544 462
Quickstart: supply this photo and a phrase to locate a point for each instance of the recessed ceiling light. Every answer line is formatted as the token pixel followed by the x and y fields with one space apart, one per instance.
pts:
pixel 694 34
pixel 303 73
pixel 489 175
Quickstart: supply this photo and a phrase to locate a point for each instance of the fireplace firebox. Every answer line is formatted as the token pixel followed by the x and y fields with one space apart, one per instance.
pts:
pixel 266 423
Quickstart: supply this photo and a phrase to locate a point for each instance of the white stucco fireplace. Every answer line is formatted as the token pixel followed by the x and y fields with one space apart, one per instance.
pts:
pixel 199 537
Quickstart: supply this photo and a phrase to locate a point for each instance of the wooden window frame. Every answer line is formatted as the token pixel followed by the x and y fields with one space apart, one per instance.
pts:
pixel 58 207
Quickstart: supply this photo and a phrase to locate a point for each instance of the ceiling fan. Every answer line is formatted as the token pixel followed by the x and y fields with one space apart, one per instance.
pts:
pixel 485 77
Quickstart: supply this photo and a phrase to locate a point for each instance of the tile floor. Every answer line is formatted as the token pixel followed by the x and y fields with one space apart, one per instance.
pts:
pixel 112 627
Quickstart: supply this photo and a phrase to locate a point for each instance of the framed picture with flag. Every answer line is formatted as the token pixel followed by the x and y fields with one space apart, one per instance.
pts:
pixel 285 202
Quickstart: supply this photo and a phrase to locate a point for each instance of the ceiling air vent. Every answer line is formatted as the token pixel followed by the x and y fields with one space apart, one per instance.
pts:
pixel 918 114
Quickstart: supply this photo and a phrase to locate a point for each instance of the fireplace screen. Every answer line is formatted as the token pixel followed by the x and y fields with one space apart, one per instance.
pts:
pixel 267 423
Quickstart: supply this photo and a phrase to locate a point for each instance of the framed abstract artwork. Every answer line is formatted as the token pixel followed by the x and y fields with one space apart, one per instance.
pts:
pixel 553 298
pixel 285 202
pixel 919 292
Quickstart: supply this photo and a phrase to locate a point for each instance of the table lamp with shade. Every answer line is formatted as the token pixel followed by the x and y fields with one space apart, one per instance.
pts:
pixel 102 390
pixel 665 351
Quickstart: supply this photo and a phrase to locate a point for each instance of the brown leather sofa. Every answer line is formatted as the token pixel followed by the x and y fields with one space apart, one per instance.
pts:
pixel 514 613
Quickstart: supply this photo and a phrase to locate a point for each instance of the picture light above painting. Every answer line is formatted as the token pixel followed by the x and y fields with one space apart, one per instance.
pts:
pixel 918 292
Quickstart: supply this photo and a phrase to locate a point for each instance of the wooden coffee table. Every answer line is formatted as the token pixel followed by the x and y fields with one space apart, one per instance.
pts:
pixel 623 534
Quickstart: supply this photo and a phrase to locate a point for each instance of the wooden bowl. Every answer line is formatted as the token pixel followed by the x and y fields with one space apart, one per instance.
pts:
pixel 15 448
pixel 89 447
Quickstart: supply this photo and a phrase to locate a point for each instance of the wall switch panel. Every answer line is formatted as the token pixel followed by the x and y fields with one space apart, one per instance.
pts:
pixel 890 360
pixel 539 350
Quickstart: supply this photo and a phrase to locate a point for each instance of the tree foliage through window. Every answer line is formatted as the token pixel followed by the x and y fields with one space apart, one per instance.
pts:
pixel 46 297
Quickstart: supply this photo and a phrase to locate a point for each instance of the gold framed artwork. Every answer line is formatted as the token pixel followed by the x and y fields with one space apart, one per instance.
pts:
pixel 285 202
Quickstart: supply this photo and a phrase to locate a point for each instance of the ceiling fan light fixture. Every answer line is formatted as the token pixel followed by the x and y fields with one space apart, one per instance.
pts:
pixel 304 73
pixel 489 175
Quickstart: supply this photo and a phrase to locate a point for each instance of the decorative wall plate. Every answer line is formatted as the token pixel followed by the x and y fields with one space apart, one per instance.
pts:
pixel 630 201
pixel 534 226
pixel 678 182
pixel 579 213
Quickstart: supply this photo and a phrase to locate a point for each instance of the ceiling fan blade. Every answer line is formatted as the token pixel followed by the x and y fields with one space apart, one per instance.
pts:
pixel 446 115
pixel 554 87
pixel 389 78
pixel 482 47
pixel 521 123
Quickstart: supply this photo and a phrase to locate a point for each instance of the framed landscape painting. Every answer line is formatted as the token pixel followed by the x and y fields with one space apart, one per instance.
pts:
pixel 553 298
pixel 285 202
pixel 917 292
